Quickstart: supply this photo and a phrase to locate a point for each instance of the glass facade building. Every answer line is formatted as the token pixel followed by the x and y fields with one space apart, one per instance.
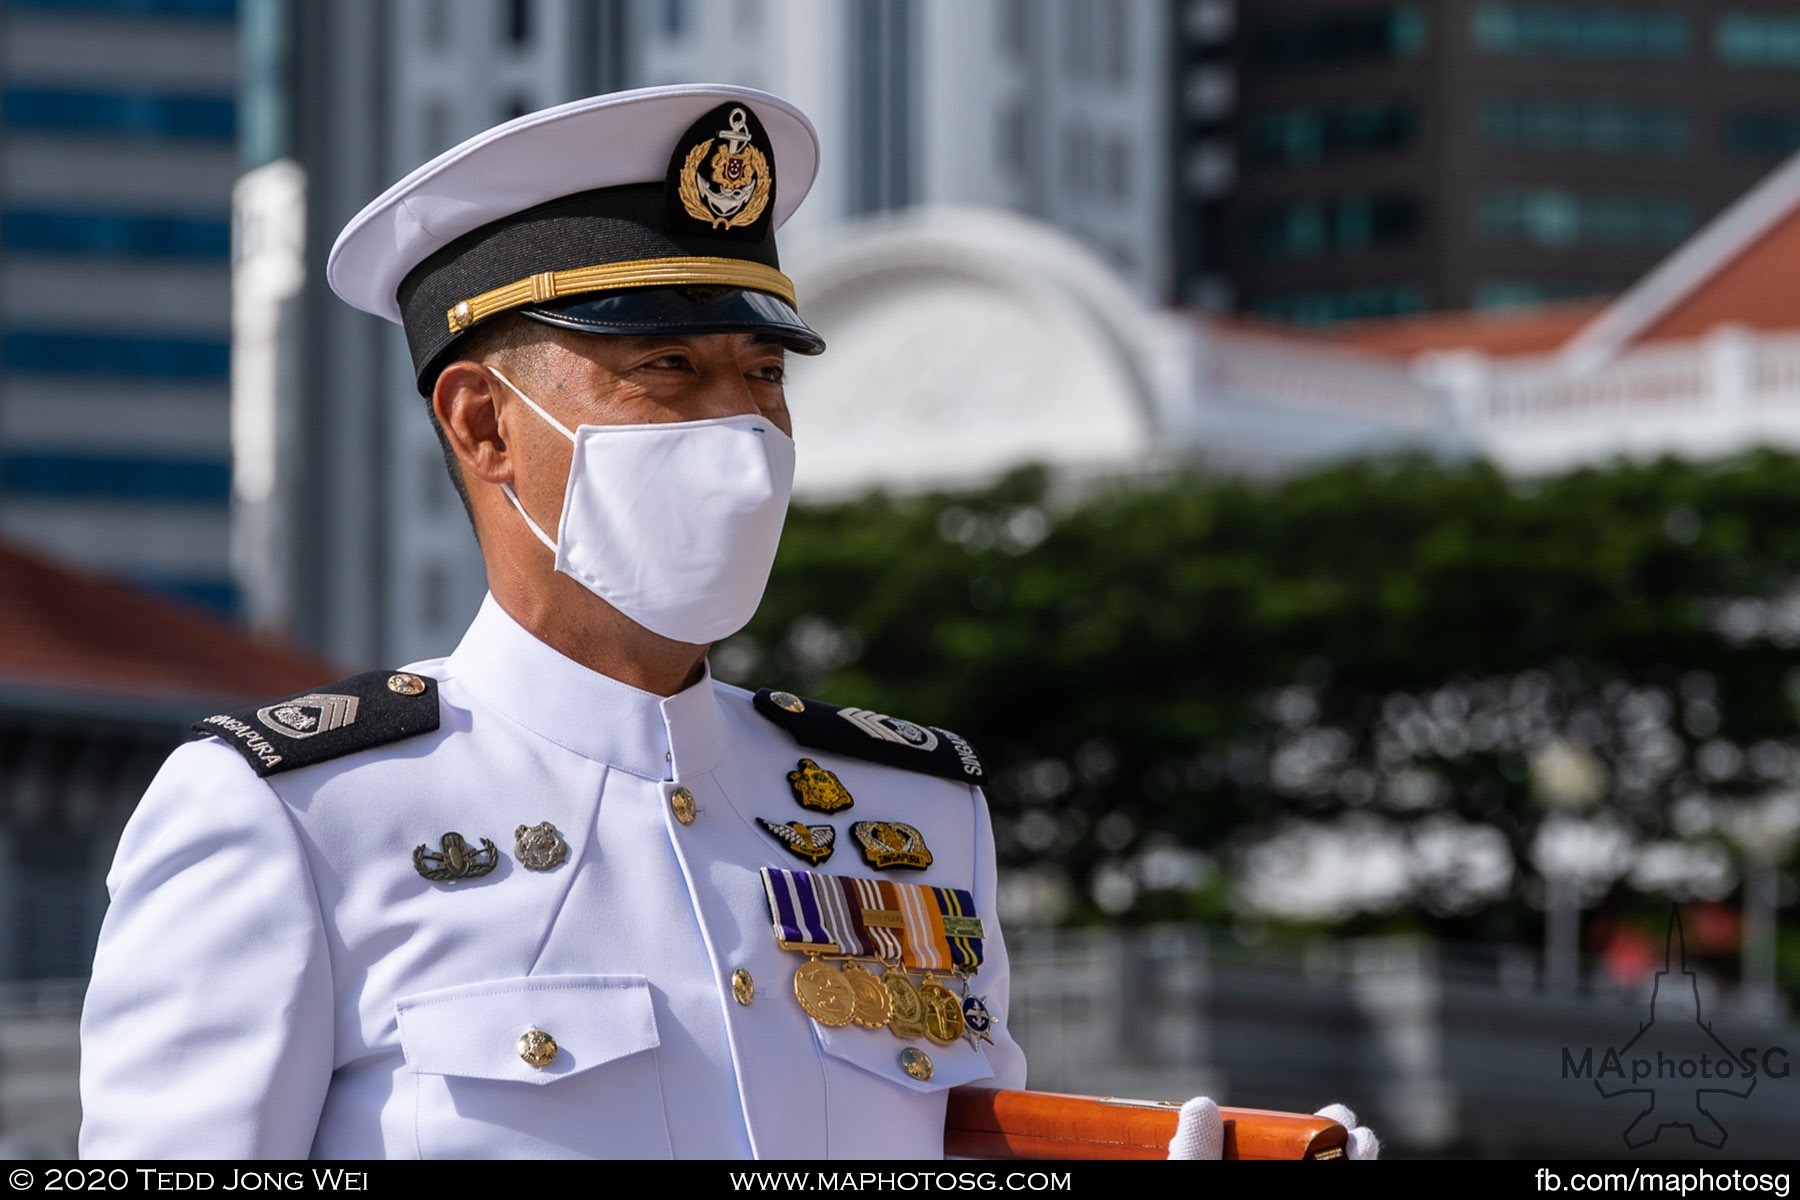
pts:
pixel 1483 153
pixel 118 146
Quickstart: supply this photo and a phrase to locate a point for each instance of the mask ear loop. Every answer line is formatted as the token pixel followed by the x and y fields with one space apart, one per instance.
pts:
pixel 550 420
pixel 541 535
pixel 507 487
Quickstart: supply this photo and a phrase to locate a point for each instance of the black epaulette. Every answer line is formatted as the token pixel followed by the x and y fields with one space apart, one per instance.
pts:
pixel 359 713
pixel 872 735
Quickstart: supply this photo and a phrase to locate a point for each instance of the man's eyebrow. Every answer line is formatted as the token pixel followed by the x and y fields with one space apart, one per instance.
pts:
pixel 767 339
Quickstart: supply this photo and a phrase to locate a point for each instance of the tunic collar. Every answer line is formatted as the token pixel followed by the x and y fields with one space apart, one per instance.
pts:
pixel 582 710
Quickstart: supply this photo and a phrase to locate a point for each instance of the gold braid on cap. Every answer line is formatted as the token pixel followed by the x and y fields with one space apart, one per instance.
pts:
pixel 643 272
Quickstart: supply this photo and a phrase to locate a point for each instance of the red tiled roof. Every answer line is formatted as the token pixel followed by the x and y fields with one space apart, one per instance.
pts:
pixel 64 630
pixel 1537 330
pixel 1754 288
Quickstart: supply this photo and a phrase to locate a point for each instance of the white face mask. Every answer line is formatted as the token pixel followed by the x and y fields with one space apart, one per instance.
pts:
pixel 675 525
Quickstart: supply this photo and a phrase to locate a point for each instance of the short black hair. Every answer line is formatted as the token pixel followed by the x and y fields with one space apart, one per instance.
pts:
pixel 504 335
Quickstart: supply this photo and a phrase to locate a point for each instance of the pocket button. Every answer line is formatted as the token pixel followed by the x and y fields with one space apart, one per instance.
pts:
pixel 537 1048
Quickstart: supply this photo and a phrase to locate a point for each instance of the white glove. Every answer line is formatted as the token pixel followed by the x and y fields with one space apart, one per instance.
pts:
pixel 1201 1131
pixel 1363 1143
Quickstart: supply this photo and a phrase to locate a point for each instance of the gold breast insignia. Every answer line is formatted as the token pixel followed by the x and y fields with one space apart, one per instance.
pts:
pixel 891 844
pixel 818 789
pixel 814 843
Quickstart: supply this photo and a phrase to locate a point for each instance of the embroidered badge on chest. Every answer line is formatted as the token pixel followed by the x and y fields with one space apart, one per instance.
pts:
pixel 814 843
pixel 818 789
pixel 891 844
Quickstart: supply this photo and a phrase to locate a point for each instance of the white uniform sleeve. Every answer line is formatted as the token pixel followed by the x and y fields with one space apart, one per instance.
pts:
pixel 207 1031
pixel 994 981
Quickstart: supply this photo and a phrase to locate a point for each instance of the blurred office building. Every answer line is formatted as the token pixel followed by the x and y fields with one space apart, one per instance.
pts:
pixel 1405 156
pixel 118 147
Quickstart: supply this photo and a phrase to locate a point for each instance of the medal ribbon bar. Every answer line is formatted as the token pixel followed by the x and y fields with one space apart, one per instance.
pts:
pixel 794 906
pixel 837 904
pixel 924 928
pixel 962 928
pixel 923 933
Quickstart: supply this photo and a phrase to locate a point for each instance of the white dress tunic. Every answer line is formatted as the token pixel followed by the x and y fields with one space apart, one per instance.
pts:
pixel 276 979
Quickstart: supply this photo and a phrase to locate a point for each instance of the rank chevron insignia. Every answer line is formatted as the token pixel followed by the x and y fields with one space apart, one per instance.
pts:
pixel 304 716
pixel 814 843
pixel 349 716
pixel 886 728
pixel 877 737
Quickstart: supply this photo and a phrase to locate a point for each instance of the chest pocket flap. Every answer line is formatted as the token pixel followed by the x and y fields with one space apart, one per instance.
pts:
pixel 878 1052
pixel 473 1031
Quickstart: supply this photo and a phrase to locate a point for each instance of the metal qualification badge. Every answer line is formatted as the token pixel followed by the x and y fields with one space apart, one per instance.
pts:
pixel 847 926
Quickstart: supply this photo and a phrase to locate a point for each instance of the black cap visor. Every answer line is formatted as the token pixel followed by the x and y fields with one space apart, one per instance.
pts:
pixel 681 310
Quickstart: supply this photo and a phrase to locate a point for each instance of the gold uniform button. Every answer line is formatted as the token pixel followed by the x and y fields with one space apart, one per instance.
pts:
pixel 682 801
pixel 405 685
pixel 742 986
pixel 917 1063
pixel 537 1048
pixel 788 701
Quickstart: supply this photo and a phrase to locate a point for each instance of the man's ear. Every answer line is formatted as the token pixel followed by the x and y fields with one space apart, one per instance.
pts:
pixel 464 400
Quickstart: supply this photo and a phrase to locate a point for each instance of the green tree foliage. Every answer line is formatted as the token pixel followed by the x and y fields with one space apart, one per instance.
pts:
pixel 1451 681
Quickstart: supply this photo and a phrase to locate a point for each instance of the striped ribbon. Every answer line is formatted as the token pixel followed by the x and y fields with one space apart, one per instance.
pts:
pixel 923 932
pixel 962 936
pixel 883 936
pixel 926 928
pixel 841 912
pixel 794 905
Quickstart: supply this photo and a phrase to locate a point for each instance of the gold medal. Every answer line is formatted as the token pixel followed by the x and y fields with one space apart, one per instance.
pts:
pixel 908 1019
pixel 874 1006
pixel 824 994
pixel 943 1012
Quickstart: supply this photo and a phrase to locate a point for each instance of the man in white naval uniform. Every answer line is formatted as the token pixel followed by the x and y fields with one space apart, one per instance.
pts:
pixel 561 893
pixel 513 902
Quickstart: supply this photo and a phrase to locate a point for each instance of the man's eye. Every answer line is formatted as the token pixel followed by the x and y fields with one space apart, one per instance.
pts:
pixel 773 374
pixel 669 362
